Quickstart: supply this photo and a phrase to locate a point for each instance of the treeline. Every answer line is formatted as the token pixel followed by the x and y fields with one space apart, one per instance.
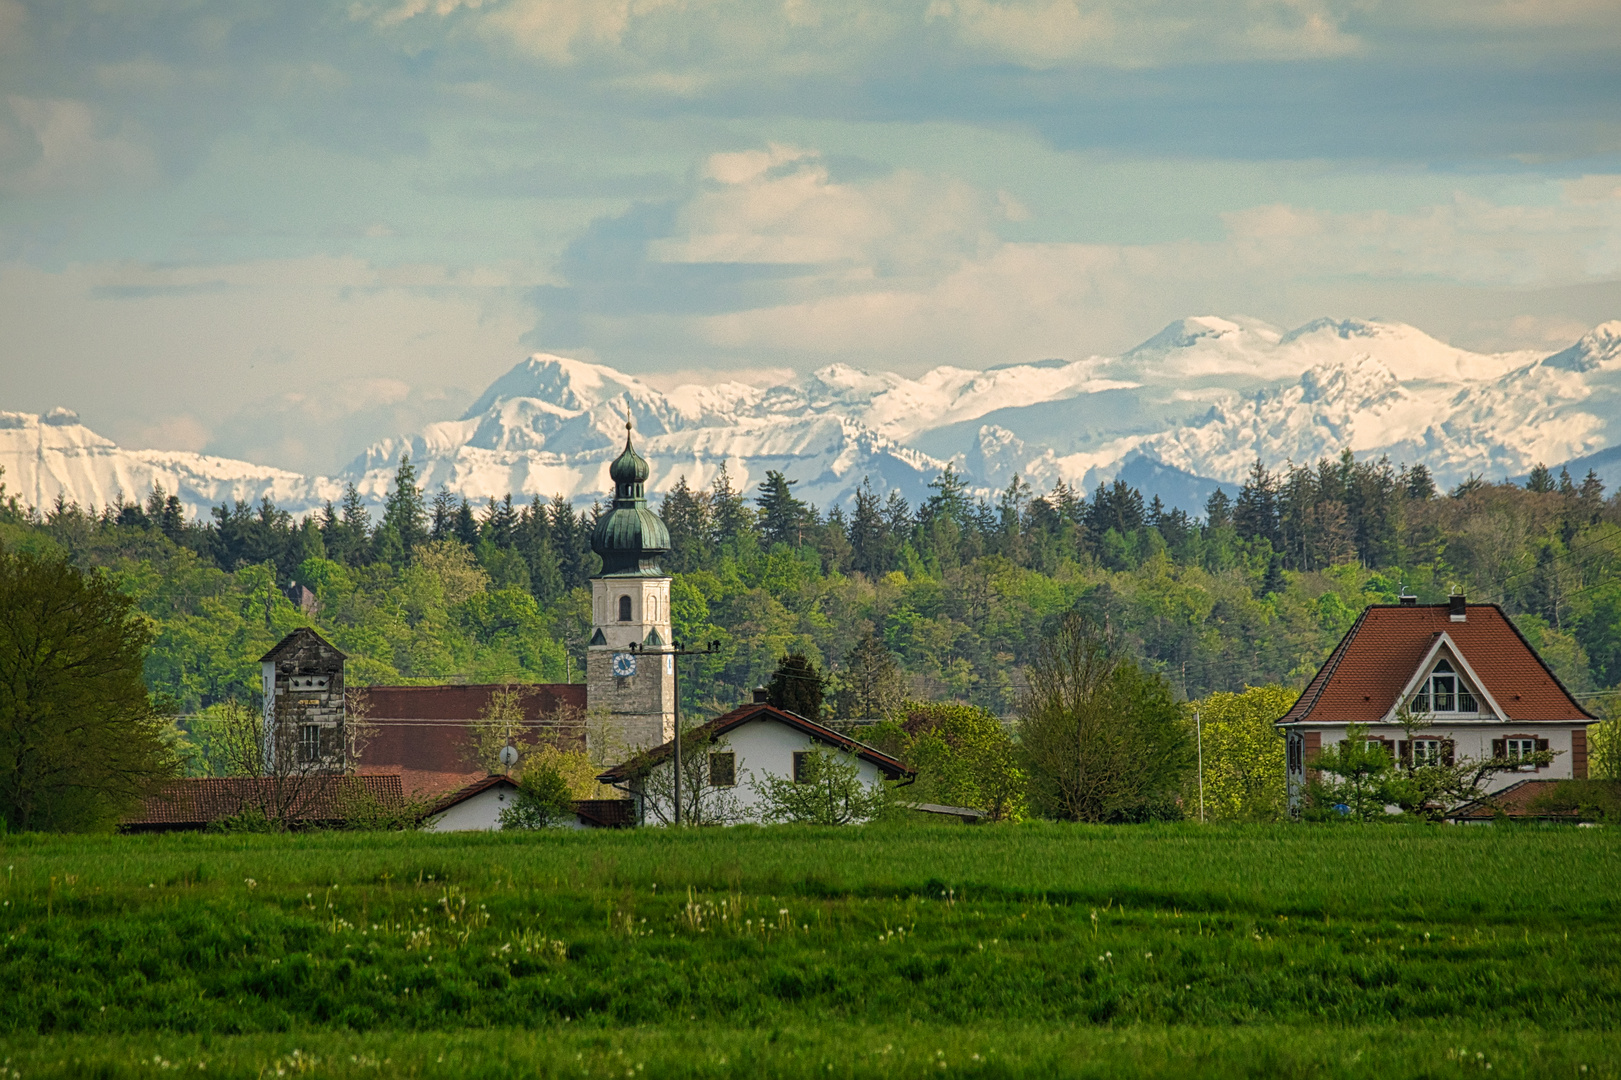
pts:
pixel 959 588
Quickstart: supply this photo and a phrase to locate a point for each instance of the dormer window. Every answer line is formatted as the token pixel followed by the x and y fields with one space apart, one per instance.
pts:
pixel 1444 692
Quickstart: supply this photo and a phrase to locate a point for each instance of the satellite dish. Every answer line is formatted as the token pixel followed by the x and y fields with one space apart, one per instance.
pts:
pixel 509 755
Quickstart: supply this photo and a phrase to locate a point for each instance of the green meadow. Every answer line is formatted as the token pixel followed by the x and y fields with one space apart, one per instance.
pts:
pixel 1036 950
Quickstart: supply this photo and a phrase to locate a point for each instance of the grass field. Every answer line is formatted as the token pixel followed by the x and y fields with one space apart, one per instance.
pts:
pixel 1033 950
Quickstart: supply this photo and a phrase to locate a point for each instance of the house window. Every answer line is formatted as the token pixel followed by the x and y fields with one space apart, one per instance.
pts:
pixel 1444 692
pixel 1515 749
pixel 723 770
pixel 802 766
pixel 309 743
pixel 1426 751
pixel 624 609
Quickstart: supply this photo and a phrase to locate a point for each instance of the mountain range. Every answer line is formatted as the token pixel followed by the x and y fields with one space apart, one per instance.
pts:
pixel 1188 409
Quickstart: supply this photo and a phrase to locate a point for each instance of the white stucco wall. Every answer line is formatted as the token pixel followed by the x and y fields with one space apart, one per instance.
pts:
pixel 1474 740
pixel 482 812
pixel 763 747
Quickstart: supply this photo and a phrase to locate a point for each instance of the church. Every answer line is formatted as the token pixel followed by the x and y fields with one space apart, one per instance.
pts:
pixel 624 715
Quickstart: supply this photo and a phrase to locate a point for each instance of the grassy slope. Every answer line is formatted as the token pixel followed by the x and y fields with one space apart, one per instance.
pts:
pixel 1151 951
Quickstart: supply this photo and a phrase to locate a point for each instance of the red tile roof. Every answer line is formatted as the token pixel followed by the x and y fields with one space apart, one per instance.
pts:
pixel 194 803
pixel 1372 664
pixel 420 733
pixel 644 761
pixel 1513 801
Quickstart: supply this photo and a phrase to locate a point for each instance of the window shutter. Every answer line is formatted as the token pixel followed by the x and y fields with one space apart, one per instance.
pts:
pixel 1447 751
pixel 1499 748
pixel 1542 744
pixel 1390 748
pixel 1404 750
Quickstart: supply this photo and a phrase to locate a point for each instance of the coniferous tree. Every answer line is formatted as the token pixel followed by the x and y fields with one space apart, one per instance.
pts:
pixel 443 514
pixel 797 686
pixel 870 682
pixel 686 515
pixel 869 533
pixel 465 528
pixel 1416 481
pixel 1218 510
pixel 403 509
pixel 355 526
pixel 728 513
pixel 1540 480
pixel 782 518
pixel 1255 513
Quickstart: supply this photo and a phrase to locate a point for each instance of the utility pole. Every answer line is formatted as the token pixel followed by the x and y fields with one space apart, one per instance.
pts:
pixel 673 653
pixel 1198 727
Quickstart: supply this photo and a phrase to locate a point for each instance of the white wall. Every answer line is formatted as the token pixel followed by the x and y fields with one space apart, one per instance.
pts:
pixel 1475 741
pixel 482 812
pixel 763 747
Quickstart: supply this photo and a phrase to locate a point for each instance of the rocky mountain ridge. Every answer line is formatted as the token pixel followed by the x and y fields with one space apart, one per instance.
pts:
pixel 1192 406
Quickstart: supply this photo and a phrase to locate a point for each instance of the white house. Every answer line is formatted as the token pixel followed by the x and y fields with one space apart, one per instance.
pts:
pixel 1462 672
pixel 477 808
pixel 737 751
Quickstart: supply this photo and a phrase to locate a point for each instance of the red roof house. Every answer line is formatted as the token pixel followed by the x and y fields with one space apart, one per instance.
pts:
pixel 1463 671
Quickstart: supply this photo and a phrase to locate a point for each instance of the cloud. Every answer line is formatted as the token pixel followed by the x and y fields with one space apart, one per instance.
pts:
pixel 907 269
pixel 52 144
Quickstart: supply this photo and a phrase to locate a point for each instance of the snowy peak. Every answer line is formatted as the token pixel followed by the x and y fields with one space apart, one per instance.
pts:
pixel 570 386
pixel 1598 350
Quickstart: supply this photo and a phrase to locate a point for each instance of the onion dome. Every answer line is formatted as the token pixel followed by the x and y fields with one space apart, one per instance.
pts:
pixel 630 537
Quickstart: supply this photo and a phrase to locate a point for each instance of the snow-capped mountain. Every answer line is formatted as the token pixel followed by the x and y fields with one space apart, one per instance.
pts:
pixel 55 456
pixel 1192 406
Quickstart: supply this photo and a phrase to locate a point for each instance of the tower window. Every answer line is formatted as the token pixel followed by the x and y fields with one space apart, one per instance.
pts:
pixel 309 743
pixel 624 609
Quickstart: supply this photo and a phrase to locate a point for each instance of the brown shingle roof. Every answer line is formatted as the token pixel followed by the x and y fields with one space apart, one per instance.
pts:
pixel 1372 664
pixel 194 803
pixel 644 761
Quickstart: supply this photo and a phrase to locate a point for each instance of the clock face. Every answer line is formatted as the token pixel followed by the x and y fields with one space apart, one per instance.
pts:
pixel 624 665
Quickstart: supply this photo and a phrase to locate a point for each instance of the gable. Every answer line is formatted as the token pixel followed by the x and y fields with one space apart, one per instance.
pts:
pixel 1390 648
pixel 749 714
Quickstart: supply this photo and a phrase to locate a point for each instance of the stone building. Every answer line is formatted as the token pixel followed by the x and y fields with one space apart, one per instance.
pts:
pixel 631 611
pixel 303 706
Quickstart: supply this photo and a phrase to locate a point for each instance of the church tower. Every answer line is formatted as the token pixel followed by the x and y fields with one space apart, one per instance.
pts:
pixel 630 603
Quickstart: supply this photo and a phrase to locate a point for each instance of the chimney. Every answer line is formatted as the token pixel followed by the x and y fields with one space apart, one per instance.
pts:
pixel 761 695
pixel 1408 601
pixel 1457 609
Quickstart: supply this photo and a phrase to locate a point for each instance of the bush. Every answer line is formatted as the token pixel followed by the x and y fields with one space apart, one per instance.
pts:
pixel 543 800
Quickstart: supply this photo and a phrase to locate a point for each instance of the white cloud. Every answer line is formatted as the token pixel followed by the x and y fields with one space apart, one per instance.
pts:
pixel 908 266
pixel 52 144
pixel 1044 33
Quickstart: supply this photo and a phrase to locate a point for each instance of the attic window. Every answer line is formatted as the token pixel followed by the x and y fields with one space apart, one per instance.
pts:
pixel 1444 692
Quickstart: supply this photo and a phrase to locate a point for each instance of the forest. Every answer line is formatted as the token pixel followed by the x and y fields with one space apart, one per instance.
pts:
pixel 959 589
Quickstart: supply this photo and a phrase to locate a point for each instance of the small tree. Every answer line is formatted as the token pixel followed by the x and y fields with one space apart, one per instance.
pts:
pixel 1431 786
pixel 1102 740
pixel 1353 778
pixel 828 791
pixel 500 724
pixel 543 799
pixel 963 757
pixel 708 783
pixel 81 739
pixel 235 743
pixel 1244 754
pixel 797 686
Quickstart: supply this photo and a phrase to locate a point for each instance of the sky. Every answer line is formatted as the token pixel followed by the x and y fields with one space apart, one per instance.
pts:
pixel 280 231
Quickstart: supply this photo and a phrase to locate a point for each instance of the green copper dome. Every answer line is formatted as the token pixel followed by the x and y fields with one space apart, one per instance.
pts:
pixel 630 537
